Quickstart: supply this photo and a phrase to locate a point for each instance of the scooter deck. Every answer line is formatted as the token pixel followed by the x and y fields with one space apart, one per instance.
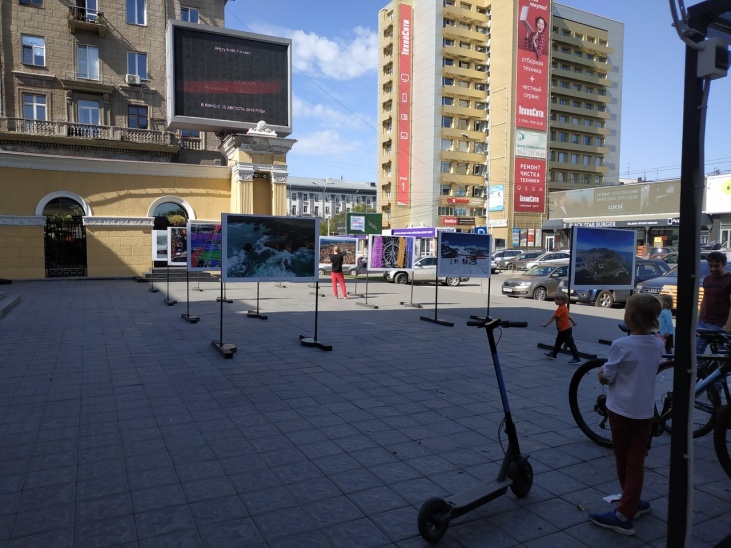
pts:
pixel 478 495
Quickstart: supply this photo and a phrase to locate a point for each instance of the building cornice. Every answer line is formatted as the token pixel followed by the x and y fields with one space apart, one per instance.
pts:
pixel 22 220
pixel 23 160
pixel 118 221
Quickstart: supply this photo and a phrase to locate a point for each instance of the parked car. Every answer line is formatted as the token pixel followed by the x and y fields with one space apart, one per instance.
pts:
pixel 645 269
pixel 424 271
pixel 668 283
pixel 501 258
pixel 520 262
pixel 549 258
pixel 539 283
pixel 658 252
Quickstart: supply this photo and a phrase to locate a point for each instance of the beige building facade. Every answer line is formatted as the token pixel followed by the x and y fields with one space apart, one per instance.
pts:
pixel 451 158
pixel 87 166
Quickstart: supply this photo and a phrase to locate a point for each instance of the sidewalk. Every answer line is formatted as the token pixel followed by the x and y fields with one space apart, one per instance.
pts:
pixel 121 425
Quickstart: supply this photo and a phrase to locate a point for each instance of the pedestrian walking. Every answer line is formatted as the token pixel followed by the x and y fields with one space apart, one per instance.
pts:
pixel 563 325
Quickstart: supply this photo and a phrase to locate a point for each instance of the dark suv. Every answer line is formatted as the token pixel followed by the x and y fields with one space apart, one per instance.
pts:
pixel 645 269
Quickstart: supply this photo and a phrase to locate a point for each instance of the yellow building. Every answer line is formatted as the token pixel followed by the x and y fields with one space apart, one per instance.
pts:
pixel 452 123
pixel 88 167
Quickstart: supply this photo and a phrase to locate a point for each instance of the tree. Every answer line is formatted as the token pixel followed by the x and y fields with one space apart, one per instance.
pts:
pixel 339 219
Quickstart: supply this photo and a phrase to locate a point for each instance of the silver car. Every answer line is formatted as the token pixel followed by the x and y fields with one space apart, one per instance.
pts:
pixel 424 271
pixel 539 283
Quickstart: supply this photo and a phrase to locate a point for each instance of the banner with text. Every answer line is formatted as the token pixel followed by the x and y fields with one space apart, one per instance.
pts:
pixel 530 185
pixel 403 110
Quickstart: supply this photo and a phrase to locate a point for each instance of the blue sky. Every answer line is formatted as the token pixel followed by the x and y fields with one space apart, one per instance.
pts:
pixel 335 62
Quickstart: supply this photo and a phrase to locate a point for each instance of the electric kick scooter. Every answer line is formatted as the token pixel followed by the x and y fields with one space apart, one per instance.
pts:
pixel 515 472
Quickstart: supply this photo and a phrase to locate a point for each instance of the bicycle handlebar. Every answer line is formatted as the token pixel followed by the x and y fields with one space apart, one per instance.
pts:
pixel 493 323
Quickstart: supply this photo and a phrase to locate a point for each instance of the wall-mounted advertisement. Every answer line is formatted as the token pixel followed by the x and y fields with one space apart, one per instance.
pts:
pixel 403 109
pixel 346 245
pixel 178 246
pixel 464 254
pixel 390 252
pixel 204 246
pixel 532 63
pixel 160 245
pixel 530 185
pixel 269 249
pixel 603 258
pixel 531 144
pixel 718 194
pixel 516 237
pixel 635 199
pixel 496 198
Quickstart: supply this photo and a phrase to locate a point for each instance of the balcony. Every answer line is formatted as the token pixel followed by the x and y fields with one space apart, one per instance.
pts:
pixel 72 134
pixel 84 19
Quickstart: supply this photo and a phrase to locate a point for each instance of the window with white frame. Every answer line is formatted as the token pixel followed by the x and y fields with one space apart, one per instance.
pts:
pixel 189 14
pixel 34 50
pixel 34 107
pixel 137 64
pixel 137 12
pixel 88 112
pixel 87 62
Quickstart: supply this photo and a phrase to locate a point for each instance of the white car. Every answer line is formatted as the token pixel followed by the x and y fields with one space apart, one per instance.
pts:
pixel 424 271
pixel 549 258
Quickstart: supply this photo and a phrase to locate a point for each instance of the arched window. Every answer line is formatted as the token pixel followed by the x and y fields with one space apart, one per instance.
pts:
pixel 63 206
pixel 163 213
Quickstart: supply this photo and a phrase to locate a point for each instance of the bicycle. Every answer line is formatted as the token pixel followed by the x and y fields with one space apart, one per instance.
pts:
pixel 587 398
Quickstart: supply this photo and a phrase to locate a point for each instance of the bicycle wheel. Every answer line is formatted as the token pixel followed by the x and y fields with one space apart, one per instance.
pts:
pixel 722 438
pixel 587 400
pixel 704 406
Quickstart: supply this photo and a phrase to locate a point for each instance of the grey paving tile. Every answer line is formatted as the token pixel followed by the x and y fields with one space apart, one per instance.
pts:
pixel 163 521
pixel 60 538
pixel 183 539
pixel 359 533
pixel 161 496
pixel 284 523
pixel 208 488
pixel 111 532
pixel 40 497
pixel 268 500
pixel 39 520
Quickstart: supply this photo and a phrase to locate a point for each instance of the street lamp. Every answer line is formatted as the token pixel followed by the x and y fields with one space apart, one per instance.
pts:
pixel 486 176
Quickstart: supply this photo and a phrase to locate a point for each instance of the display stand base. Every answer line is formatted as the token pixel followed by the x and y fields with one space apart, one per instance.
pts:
pixel 153 289
pixel 226 350
pixel 481 318
pixel 190 319
pixel 436 320
pixel 255 314
pixel 317 293
pixel 309 341
pixel 412 305
pixel 224 300
pixel 280 285
pixel 373 306
pixel 169 302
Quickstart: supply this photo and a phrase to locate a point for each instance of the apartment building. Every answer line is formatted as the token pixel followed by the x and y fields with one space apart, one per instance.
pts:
pixel 468 137
pixel 88 162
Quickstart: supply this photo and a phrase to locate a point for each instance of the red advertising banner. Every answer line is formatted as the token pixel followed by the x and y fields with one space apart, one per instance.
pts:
pixel 530 185
pixel 403 109
pixel 534 42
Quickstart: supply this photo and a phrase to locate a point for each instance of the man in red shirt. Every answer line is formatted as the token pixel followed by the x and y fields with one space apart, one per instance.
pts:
pixel 716 304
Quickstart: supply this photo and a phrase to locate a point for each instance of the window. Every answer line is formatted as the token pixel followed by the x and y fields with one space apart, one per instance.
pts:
pixel 304 208
pixel 563 101
pixel 563 137
pixel 88 112
pixel 444 190
pixel 447 62
pixel 137 117
pixel 589 89
pixel 577 87
pixel 34 107
pixel 575 120
pixel 137 12
pixel 446 121
pixel 563 118
pixel 564 85
pixel 85 10
pixel 598 142
pixel 448 42
pixel 588 106
pixel 598 161
pixel 460 211
pixel 463 146
pixel 574 139
pixel 137 64
pixel 561 156
pixel 447 81
pixel 445 211
pixel 587 160
pixel 587 140
pixel 34 50
pixel 479 105
pixel 464 64
pixel 88 62
pixel 189 14
pixel 464 103
pixel 574 158
pixel 447 22
pixel 445 167
pixel 576 104
pixel 36 3
pixel 190 134
pixel 446 144
pixel 587 122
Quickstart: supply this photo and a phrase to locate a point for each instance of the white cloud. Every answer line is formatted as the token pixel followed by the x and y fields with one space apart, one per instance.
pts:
pixel 338 59
pixel 328 116
pixel 326 143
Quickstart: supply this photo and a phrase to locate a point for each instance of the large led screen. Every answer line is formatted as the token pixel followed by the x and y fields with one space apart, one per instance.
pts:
pixel 260 248
pixel 224 79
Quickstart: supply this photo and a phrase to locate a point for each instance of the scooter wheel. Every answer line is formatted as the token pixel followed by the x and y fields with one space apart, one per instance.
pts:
pixel 521 472
pixel 431 527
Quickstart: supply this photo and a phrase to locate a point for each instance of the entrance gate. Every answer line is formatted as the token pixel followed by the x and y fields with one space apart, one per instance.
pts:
pixel 65 247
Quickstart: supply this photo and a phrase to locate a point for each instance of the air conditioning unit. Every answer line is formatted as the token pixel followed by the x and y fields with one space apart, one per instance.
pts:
pixel 132 79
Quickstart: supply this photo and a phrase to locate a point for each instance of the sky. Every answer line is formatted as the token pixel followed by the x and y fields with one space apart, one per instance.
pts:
pixel 335 80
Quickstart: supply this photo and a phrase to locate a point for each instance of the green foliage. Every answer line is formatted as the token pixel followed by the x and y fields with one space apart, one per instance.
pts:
pixel 176 220
pixel 339 219
pixel 59 218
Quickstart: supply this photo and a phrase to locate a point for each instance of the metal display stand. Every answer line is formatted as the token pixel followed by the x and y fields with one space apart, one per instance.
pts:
pixel 187 317
pixel 255 313
pixel 487 312
pixel 198 282
pixel 167 300
pixel 226 350
pixel 152 287
pixel 313 341
pixel 436 303
pixel 223 298
pixel 411 302
pixel 373 306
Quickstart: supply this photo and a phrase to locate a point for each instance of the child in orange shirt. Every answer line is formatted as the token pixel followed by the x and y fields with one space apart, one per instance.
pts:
pixel 563 325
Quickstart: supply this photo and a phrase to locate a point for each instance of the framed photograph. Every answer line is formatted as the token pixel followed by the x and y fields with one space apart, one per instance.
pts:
pixel 463 254
pixel 346 245
pixel 390 252
pixel 204 246
pixel 603 258
pixel 160 245
pixel 177 246
pixel 269 249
